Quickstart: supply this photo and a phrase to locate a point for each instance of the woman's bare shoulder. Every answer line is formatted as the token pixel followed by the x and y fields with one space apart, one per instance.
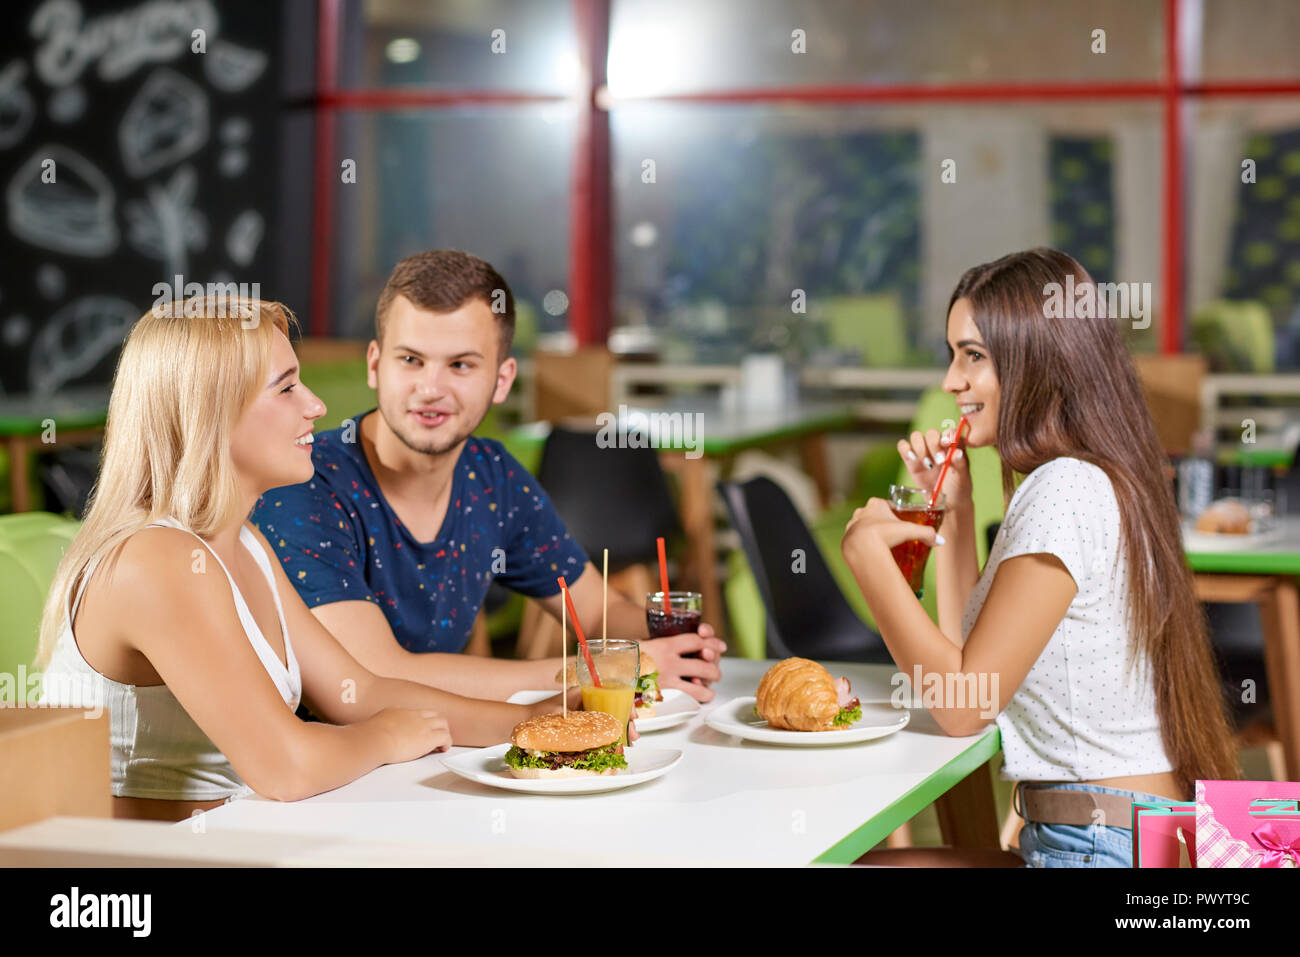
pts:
pixel 156 566
pixel 154 550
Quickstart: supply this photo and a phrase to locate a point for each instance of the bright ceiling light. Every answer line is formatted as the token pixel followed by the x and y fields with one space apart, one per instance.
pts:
pixel 645 61
pixel 402 50
pixel 565 69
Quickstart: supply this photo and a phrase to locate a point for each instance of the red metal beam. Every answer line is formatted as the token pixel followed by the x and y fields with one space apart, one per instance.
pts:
pixel 591 254
pixel 404 98
pixel 1171 315
pixel 324 179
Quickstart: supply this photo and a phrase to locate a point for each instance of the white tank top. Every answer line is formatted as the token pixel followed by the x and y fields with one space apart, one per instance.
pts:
pixel 157 749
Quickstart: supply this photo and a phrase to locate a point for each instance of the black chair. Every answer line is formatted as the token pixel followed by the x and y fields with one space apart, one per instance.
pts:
pixel 615 498
pixel 991 534
pixel 807 615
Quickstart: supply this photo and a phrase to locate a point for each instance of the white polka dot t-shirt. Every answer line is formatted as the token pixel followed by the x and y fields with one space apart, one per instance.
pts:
pixel 1084 711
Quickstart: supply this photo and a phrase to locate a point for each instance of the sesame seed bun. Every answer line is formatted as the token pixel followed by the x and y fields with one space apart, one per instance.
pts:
pixel 576 731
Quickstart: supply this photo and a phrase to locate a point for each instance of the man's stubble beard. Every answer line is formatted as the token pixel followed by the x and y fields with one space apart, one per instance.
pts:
pixel 435 449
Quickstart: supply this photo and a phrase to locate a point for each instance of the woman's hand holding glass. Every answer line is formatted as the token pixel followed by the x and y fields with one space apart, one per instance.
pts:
pixel 923 455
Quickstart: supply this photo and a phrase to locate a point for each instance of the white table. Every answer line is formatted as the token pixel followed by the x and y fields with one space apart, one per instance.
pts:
pixel 727 802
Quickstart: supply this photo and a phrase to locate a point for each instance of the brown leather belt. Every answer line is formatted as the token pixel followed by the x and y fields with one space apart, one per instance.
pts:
pixel 1082 808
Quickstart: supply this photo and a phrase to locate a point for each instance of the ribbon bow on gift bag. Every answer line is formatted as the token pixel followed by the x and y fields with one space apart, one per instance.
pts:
pixel 1278 852
pixel 1247 824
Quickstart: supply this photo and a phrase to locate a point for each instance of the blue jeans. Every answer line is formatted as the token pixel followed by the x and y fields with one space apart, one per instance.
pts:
pixel 1071 845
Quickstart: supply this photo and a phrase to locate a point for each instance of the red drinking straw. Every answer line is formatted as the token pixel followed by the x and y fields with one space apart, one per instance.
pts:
pixel 947 460
pixel 577 630
pixel 663 576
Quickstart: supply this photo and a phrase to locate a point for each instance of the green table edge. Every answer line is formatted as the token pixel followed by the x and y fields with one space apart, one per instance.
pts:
pixel 1274 458
pixel 826 422
pixel 850 848
pixel 68 421
pixel 1245 563
pixel 534 434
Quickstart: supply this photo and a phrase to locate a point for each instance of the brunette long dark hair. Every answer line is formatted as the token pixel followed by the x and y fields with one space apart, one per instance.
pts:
pixel 1069 388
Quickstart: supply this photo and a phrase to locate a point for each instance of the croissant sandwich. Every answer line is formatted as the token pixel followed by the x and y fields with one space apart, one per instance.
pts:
pixel 800 695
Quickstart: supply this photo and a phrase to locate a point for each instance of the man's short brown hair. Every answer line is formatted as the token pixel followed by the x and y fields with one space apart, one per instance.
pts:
pixel 443 280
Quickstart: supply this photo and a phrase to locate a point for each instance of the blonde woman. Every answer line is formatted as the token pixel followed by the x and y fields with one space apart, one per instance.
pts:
pixel 174 611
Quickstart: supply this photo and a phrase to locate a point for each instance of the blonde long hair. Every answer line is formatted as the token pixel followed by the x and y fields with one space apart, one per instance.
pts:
pixel 187 372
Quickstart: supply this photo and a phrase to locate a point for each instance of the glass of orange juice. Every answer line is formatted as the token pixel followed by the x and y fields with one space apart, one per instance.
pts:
pixel 617 662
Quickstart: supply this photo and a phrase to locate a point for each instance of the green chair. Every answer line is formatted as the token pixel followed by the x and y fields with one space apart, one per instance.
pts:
pixel 1235 336
pixel 341 385
pixel 872 324
pixel 31 545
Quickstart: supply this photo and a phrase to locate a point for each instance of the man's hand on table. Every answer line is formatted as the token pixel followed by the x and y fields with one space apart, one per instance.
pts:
pixel 692 675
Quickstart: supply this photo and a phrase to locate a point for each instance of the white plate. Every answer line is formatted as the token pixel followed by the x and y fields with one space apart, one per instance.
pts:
pixel 737 718
pixel 676 708
pixel 486 766
pixel 1194 541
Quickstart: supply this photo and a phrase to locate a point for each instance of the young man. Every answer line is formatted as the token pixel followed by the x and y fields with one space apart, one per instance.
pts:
pixel 410 517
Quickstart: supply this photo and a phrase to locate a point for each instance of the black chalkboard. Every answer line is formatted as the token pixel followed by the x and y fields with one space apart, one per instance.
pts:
pixel 133 149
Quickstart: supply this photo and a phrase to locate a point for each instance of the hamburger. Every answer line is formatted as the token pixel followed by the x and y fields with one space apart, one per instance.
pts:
pixel 572 745
pixel 647 688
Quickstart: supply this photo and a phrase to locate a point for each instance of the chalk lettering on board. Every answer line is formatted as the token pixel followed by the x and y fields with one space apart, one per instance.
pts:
pixel 233 162
pixel 231 68
pixel 244 235
pixel 234 158
pixel 166 225
pixel 16 107
pixel 166 122
pixel 51 281
pixel 76 338
pixel 121 42
pixel 68 104
pixel 16 330
pixel 73 215
pixel 235 129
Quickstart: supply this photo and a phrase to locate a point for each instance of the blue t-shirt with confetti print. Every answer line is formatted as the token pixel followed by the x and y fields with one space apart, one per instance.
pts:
pixel 340 541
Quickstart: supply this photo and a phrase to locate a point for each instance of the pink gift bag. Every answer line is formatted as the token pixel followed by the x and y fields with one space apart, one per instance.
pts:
pixel 1247 824
pixel 1155 834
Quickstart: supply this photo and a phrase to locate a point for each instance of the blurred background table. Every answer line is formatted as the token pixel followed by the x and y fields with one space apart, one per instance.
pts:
pixel 699 457
pixel 33 423
pixel 1265 574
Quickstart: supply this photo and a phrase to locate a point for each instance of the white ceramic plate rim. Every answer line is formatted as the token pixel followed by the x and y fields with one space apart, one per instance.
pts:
pixel 683 706
pixel 485 765
pixel 736 718
pixel 1194 541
